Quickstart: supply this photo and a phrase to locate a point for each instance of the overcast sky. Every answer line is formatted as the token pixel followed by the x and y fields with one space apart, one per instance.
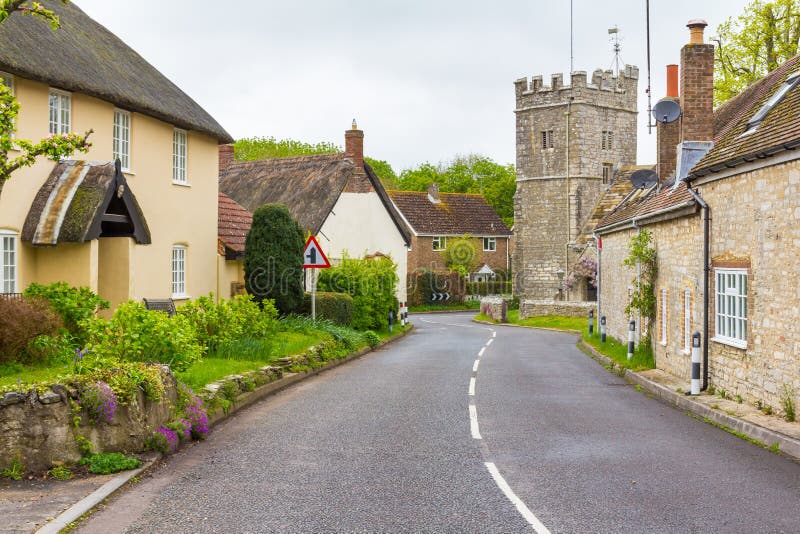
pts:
pixel 426 80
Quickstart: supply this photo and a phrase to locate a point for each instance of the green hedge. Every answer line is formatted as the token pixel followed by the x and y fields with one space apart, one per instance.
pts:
pixel 422 285
pixel 488 288
pixel 336 307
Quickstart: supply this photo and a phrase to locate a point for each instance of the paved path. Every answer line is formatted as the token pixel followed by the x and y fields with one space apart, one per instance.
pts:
pixel 396 442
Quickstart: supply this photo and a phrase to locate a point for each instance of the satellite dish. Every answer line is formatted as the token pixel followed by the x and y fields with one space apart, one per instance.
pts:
pixel 644 178
pixel 666 110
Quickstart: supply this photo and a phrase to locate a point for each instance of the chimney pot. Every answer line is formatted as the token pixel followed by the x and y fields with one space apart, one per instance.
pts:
pixel 696 29
pixel 672 81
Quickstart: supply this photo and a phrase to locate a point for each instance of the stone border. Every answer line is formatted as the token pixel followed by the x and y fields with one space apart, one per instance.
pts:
pixel 788 445
pixel 77 510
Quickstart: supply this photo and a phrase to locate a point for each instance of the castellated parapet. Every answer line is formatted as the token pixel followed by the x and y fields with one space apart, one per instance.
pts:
pixel 569 140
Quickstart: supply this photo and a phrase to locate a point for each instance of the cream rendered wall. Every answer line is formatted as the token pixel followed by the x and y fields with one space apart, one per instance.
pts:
pixel 360 225
pixel 175 214
pixel 229 271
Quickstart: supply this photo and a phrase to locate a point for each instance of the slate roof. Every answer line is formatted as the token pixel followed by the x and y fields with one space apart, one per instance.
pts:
pixel 619 188
pixel 71 205
pixel 233 224
pixel 456 214
pixel 779 131
pixel 85 57
pixel 648 202
pixel 309 186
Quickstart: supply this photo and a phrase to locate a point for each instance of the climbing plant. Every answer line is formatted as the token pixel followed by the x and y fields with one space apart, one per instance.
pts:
pixel 642 257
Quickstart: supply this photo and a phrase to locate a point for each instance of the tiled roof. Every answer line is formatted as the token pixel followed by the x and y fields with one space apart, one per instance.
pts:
pixel 456 214
pixel 779 130
pixel 619 188
pixel 648 202
pixel 233 224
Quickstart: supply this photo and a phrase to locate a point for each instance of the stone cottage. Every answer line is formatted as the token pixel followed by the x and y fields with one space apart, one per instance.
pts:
pixel 723 224
pixel 143 227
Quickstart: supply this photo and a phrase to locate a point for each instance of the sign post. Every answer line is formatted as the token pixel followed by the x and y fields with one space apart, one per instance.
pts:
pixel 314 258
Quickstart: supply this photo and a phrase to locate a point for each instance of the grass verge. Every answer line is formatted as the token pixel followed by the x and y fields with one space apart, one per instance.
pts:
pixel 468 305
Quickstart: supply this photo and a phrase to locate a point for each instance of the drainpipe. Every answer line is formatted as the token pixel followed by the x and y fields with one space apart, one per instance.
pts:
pixel 599 247
pixel 706 275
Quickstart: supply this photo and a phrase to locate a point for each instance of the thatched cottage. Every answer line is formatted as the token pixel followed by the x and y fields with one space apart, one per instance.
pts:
pixel 144 228
pixel 336 197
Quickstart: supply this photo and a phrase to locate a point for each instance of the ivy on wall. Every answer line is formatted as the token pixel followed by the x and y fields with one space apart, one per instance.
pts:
pixel 642 257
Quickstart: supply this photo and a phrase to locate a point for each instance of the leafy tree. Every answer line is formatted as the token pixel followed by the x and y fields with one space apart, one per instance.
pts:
pixel 273 258
pixel 384 171
pixel 468 174
pixel 753 44
pixel 53 147
pixel 461 255
pixel 254 148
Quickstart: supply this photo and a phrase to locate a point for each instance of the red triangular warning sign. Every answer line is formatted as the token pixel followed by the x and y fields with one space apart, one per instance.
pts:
pixel 313 257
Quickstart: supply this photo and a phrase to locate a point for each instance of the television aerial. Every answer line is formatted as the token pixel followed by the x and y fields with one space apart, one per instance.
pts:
pixel 666 110
pixel 644 178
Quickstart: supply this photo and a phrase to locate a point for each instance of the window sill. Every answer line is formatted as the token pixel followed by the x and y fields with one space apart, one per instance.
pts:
pixel 662 343
pixel 181 297
pixel 128 172
pixel 181 184
pixel 736 343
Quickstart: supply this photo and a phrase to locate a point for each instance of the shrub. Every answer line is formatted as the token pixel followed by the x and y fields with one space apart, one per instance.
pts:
pixel 163 440
pixel 372 338
pixel 193 410
pixel 335 307
pixel 228 320
pixel 60 472
pixel 371 283
pixel 73 304
pixel 22 321
pixel 99 401
pixel 16 470
pixel 125 379
pixel 58 348
pixel 136 334
pixel 273 258
pixel 423 284
pixel 110 462
pixel 182 428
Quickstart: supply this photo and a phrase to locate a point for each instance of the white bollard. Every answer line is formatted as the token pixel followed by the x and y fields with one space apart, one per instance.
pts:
pixel 631 335
pixel 696 380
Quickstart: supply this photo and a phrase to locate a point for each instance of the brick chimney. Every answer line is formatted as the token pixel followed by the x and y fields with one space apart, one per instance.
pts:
pixel 225 156
pixel 697 100
pixel 433 193
pixel 668 134
pixel 697 86
pixel 354 146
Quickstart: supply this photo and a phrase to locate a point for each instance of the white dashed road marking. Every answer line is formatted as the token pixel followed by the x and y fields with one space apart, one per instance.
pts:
pixel 489 342
pixel 537 525
pixel 473 422
pixel 472 387
pixel 475 366
pixel 481 352
pixel 494 334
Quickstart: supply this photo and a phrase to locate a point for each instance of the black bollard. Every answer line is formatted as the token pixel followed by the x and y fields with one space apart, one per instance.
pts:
pixel 603 329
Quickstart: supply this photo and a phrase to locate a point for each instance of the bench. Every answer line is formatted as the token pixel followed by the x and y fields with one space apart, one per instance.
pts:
pixel 163 305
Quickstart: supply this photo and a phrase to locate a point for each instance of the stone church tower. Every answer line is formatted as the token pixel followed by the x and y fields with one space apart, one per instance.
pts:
pixel 570 139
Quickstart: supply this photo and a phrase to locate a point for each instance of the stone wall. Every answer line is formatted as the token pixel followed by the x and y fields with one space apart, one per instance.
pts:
pixel 538 308
pixel 38 429
pixel 753 226
pixel 495 308
pixel 554 198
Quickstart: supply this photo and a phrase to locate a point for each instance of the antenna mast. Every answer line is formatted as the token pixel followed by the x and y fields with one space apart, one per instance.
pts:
pixel 571 42
pixel 649 92
pixel 614 33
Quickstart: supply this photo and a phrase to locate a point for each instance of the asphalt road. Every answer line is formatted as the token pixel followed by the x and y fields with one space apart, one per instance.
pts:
pixel 395 441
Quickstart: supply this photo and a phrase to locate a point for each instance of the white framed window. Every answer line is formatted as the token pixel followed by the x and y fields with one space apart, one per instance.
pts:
pixel 607 140
pixel 664 316
pixel 439 242
pixel 489 244
pixel 122 138
pixel 547 139
pixel 687 321
pixel 8 262
pixel 60 112
pixel 179 156
pixel 731 306
pixel 178 271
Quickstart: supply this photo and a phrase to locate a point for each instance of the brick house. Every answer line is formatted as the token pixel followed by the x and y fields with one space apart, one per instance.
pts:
pixel 433 218
pixel 723 224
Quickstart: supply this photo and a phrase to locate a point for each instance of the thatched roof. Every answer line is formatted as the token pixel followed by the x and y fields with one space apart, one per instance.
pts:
pixel 85 57
pixel 81 201
pixel 309 186
pixel 455 214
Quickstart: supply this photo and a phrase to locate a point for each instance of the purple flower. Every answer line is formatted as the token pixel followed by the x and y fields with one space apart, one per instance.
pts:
pixel 170 437
pixel 196 414
pixel 100 401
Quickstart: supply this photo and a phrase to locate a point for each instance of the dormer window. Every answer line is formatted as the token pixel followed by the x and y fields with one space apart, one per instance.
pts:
pixel 791 82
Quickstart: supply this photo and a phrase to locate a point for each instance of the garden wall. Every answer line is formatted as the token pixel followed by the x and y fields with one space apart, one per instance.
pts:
pixel 538 308
pixel 37 428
